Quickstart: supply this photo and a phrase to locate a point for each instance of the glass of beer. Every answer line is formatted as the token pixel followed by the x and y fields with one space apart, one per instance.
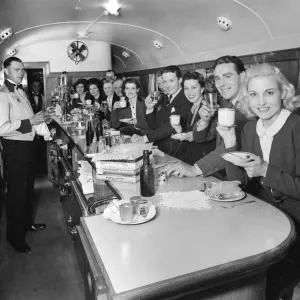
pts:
pixel 154 96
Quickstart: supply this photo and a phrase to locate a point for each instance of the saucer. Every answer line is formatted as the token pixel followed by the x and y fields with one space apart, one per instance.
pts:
pixel 111 213
pixel 237 157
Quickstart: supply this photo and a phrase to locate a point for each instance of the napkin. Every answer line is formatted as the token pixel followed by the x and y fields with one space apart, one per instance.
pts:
pixel 185 200
pixel 42 129
pixel 86 177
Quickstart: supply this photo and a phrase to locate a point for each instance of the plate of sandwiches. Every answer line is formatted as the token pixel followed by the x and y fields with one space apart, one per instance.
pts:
pixel 238 157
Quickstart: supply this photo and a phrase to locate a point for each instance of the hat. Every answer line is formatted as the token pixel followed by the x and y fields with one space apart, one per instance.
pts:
pixel 95 81
pixel 81 81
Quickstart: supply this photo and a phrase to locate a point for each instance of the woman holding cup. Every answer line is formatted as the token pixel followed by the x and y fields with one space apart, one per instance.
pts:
pixel 191 151
pixel 272 171
pixel 80 95
pixel 193 86
pixel 134 112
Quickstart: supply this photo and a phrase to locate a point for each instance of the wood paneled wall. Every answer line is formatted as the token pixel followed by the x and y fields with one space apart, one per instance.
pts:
pixel 288 61
pixel 52 81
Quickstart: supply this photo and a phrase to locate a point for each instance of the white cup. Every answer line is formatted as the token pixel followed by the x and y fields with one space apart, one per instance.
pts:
pixel 75 118
pixel 175 119
pixel 226 117
pixel 88 102
pixel 122 103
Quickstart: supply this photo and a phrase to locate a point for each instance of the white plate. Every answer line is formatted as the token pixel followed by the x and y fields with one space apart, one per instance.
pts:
pixel 239 197
pixel 136 220
pixel 238 157
pixel 126 136
pixel 128 121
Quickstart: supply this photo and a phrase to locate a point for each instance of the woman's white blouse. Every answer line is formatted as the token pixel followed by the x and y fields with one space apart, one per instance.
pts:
pixel 132 103
pixel 266 135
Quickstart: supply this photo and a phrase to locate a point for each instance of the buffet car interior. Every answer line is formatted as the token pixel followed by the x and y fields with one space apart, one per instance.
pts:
pixel 122 207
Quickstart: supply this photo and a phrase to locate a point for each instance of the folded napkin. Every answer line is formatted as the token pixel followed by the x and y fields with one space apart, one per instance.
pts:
pixel 42 129
pixel 185 200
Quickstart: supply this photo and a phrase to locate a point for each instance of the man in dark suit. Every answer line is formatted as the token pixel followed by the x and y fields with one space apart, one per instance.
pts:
pixel 227 76
pixel 110 76
pixel 37 103
pixel 117 84
pixel 35 97
pixel 175 104
pixel 111 99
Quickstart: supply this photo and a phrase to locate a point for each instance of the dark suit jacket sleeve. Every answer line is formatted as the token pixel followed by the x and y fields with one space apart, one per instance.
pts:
pixel 151 120
pixel 160 133
pixel 234 172
pixel 285 183
pixel 183 109
pixel 115 99
pixel 116 115
pixel 207 134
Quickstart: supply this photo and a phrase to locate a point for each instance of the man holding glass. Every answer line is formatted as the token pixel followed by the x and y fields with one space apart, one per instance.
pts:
pixel 17 131
pixel 227 75
pixel 176 104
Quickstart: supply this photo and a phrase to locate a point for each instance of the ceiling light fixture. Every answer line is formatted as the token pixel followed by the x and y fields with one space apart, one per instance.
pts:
pixel 5 34
pixel 157 44
pixel 12 52
pixel 224 23
pixel 112 7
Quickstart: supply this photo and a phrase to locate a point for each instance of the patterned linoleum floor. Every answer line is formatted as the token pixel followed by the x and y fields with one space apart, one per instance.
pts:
pixel 50 271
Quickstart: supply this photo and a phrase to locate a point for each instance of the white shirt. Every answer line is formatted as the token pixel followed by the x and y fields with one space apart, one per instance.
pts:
pixel 266 135
pixel 109 102
pixel 132 103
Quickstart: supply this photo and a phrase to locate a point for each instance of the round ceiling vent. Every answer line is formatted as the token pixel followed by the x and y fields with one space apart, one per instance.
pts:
pixel 224 23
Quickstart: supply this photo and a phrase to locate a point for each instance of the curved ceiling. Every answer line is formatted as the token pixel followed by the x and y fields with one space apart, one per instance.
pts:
pixel 187 29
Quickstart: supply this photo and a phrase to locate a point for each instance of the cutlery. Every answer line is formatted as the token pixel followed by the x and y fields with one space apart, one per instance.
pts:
pixel 239 204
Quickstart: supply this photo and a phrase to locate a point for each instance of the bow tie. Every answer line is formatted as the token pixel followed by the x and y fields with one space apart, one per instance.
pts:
pixel 11 86
pixel 35 94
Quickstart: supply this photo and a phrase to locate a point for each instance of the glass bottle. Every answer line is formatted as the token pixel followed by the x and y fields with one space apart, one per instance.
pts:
pixel 99 130
pixel 89 135
pixel 147 176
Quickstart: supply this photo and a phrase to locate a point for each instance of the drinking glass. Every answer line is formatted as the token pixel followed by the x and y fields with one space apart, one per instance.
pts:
pixel 104 105
pixel 211 99
pixel 154 96
pixel 101 144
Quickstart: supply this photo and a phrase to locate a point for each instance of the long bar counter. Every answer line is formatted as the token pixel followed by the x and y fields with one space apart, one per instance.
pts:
pixel 222 252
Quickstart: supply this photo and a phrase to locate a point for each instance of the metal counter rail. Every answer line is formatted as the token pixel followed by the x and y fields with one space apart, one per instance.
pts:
pixel 107 182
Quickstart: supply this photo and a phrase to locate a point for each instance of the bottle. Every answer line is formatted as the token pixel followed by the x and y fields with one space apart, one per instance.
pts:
pixel 89 135
pixel 99 130
pixel 147 176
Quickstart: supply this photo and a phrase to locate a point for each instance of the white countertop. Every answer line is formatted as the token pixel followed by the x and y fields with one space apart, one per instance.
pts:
pixel 180 241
